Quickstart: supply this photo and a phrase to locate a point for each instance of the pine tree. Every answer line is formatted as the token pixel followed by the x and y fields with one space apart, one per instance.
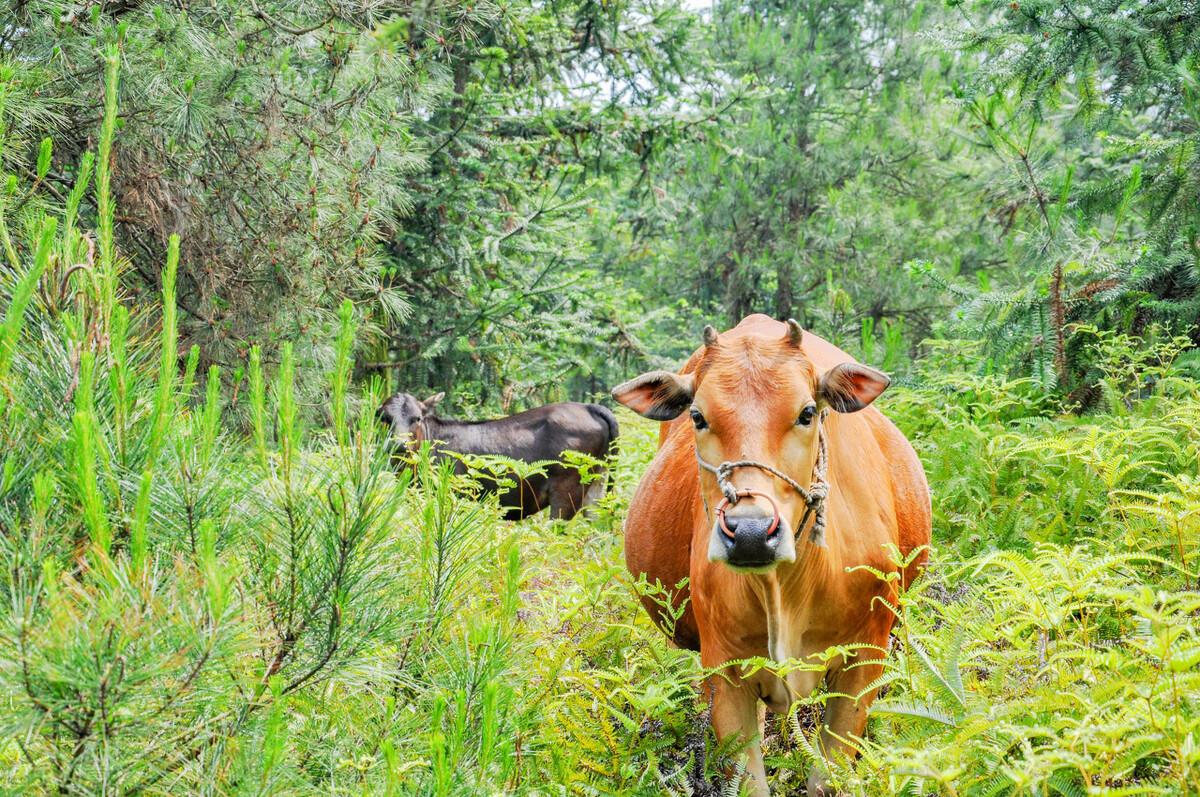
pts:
pixel 1115 81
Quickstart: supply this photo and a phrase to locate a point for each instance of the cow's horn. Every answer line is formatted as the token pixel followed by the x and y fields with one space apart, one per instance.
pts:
pixel 795 332
pixel 710 336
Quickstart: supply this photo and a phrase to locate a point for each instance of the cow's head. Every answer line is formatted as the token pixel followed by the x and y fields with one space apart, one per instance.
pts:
pixel 404 412
pixel 759 399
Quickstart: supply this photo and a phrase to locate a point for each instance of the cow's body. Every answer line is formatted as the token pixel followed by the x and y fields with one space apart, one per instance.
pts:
pixel 537 435
pixel 878 497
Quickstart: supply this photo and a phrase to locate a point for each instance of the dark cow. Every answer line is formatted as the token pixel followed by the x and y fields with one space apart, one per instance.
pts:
pixel 540 434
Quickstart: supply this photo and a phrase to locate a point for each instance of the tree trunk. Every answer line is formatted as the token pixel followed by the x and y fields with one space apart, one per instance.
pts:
pixel 1058 319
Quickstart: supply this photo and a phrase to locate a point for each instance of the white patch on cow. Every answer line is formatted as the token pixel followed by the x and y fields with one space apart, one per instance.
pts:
pixel 786 552
pixel 595 491
pixel 716 548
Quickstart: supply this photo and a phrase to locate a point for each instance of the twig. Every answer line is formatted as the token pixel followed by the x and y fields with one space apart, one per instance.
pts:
pixel 258 12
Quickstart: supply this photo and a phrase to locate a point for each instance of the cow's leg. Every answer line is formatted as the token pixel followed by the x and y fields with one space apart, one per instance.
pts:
pixel 566 494
pixel 528 497
pixel 845 717
pixel 735 715
pixel 593 492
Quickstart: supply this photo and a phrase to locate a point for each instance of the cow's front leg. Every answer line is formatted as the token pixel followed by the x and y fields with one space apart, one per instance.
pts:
pixel 735 715
pixel 845 718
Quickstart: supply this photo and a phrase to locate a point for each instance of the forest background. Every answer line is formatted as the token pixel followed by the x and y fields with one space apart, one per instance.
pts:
pixel 528 201
pixel 229 228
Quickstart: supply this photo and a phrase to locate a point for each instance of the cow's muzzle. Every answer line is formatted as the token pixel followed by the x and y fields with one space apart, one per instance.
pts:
pixel 751 540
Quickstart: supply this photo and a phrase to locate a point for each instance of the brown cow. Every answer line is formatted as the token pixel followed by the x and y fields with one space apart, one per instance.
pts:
pixel 765 575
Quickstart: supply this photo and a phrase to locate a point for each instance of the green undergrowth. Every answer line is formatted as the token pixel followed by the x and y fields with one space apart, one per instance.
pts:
pixel 205 593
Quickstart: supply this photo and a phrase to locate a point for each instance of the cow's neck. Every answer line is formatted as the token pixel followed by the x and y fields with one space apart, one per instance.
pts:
pixel 778 636
pixel 790 596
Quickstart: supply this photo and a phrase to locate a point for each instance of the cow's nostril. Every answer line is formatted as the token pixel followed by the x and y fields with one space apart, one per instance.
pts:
pixel 750 541
pixel 729 533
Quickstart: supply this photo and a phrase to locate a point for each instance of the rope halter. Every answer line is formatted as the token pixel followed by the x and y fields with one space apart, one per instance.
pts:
pixel 814 495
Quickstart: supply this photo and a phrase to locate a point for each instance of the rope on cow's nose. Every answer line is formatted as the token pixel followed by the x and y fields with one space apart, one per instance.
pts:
pixel 814 495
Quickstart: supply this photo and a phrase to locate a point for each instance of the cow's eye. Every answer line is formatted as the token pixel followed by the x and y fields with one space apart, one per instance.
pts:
pixel 698 420
pixel 806 415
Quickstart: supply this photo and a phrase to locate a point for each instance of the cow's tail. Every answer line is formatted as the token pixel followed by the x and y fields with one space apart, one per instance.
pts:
pixel 606 417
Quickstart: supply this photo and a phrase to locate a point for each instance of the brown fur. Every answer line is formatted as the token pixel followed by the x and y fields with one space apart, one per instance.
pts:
pixel 751 381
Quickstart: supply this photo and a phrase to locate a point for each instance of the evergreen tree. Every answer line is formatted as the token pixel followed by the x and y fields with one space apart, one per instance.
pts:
pixel 430 161
pixel 1093 107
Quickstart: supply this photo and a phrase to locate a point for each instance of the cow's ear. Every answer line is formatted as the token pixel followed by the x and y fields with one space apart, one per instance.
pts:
pixel 434 399
pixel 849 387
pixel 657 395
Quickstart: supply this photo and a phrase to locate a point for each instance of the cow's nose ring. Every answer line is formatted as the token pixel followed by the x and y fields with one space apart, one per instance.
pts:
pixel 721 507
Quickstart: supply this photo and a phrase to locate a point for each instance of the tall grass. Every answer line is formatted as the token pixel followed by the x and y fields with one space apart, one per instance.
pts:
pixel 190 609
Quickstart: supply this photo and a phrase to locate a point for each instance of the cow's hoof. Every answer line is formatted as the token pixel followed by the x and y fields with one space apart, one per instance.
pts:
pixel 818 786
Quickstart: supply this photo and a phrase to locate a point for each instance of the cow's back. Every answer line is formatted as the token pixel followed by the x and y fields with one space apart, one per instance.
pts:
pixel 544 433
